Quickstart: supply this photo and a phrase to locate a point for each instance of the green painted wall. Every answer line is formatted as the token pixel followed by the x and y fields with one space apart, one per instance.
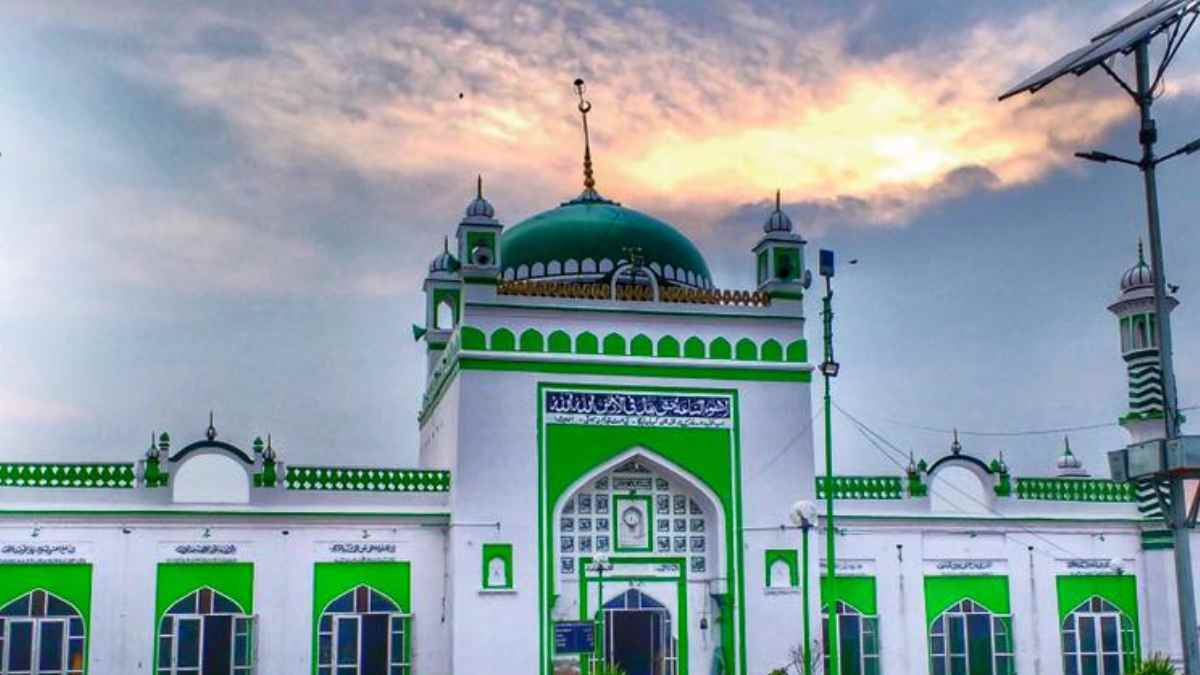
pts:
pixel 941 593
pixel 331 580
pixel 1120 590
pixel 572 451
pixel 175 580
pixel 72 583
pixel 858 592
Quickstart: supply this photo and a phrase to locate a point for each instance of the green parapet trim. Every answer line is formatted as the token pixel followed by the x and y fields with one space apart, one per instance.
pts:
pixel 772 351
pixel 351 479
pixel 614 345
pixel 71 583
pixel 781 294
pixel 668 347
pixel 559 343
pixel 720 349
pixel 587 343
pixel 531 341
pixel 941 593
pixel 862 487
pixel 858 592
pixel 41 475
pixel 333 579
pixel 503 340
pixel 641 345
pixel 789 558
pixel 797 351
pixel 636 370
pixel 693 348
pixel 473 338
pixel 1075 490
pixel 746 350
pixel 1157 540
pixel 491 552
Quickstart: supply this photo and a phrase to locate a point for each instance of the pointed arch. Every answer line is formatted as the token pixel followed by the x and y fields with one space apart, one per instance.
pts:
pixel 531 341
pixel 693 348
pixel 614 345
pixel 586 343
pixel 668 347
pixel 559 343
pixel 641 345
pixel 746 350
pixel 720 349
pixel 772 351
pixel 503 340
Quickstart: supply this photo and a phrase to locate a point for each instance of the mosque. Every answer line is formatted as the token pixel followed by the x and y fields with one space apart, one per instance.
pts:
pixel 616 468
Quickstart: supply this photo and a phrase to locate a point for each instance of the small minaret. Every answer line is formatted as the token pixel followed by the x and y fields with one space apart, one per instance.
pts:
pixel 779 257
pixel 479 239
pixel 1139 347
pixel 1069 465
pixel 443 303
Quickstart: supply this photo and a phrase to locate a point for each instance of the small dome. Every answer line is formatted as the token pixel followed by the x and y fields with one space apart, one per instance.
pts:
pixel 480 210
pixel 1138 276
pixel 1068 464
pixel 444 262
pixel 778 221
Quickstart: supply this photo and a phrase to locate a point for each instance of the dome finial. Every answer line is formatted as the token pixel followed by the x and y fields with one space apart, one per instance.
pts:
pixel 778 221
pixel 778 193
pixel 479 186
pixel 956 447
pixel 1141 256
pixel 445 243
pixel 589 182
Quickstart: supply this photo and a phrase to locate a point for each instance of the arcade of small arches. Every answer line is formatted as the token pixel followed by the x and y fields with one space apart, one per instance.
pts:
pixel 615 344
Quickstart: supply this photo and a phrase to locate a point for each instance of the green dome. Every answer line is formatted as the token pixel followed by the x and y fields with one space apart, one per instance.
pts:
pixel 590 238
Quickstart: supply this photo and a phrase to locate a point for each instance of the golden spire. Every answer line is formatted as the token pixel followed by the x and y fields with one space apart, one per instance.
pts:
pixel 589 182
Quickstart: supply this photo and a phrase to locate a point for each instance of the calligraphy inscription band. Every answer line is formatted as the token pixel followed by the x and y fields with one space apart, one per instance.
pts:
pixel 637 405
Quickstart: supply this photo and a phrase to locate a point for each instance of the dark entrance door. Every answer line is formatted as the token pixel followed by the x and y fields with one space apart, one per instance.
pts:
pixel 638 635
pixel 218 644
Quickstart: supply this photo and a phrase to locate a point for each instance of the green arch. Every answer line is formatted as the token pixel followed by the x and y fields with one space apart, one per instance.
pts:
pixel 614 345
pixel 559 343
pixel 531 341
pixel 693 348
pixel 746 350
pixel 586 343
pixel 668 347
pixel 641 345
pixel 720 349
pixel 473 338
pixel 503 340
pixel 797 351
pixel 772 350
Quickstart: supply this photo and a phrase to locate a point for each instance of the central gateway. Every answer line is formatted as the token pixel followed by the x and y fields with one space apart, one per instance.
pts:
pixel 637 635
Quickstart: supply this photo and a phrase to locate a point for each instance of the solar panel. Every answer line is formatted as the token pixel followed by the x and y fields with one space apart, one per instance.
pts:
pixel 1122 37
pixel 1148 9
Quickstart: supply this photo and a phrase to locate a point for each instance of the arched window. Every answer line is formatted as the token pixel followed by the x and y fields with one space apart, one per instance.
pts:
pixel 206 633
pixel 363 632
pixel 967 639
pixel 444 318
pixel 1098 640
pixel 858 634
pixel 1139 339
pixel 41 634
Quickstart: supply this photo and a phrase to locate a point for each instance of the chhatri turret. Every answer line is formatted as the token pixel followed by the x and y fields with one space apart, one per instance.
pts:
pixel 779 256
pixel 478 239
pixel 1139 347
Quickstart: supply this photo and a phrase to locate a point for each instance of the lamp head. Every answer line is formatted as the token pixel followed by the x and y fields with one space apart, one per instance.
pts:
pixel 803 511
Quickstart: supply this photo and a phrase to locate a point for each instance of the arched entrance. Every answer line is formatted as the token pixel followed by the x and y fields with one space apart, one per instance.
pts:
pixel 41 633
pixel 637 635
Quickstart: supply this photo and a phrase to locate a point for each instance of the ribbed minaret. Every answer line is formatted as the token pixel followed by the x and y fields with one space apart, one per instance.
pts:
pixel 1139 347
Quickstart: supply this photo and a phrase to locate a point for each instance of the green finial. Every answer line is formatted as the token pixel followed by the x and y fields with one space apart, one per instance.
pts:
pixel 1067 442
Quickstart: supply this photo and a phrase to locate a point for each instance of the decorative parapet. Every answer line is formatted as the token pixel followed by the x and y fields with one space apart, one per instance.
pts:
pixel 862 487
pixel 365 480
pixel 67 475
pixel 1075 490
pixel 631 293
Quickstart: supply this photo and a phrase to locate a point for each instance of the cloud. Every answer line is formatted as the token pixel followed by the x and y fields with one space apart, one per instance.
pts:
pixel 16 408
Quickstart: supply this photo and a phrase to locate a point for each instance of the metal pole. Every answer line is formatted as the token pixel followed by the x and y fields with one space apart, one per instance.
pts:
pixel 832 647
pixel 807 608
pixel 1177 519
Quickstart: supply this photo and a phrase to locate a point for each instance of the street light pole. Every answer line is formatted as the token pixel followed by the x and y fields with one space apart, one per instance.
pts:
pixel 803 514
pixel 1177 518
pixel 829 370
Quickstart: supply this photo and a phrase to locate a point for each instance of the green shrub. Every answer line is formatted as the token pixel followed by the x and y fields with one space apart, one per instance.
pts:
pixel 778 671
pixel 1158 664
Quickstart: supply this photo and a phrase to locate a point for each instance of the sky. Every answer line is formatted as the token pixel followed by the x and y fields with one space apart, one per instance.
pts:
pixel 231 206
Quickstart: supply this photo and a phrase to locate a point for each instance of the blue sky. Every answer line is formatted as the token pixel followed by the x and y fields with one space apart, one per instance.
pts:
pixel 232 209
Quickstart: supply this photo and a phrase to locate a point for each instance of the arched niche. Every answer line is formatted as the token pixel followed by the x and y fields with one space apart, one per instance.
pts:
pixel 961 485
pixel 210 477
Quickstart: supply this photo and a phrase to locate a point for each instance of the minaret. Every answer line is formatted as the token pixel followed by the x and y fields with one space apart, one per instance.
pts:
pixel 779 257
pixel 479 239
pixel 443 304
pixel 1139 347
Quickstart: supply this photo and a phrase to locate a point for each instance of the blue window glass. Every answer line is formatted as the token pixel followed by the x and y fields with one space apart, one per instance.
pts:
pixel 50 645
pixel 18 607
pixel 189 643
pixel 20 646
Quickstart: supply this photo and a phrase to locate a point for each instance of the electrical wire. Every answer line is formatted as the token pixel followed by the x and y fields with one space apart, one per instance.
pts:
pixel 1023 432
pixel 869 433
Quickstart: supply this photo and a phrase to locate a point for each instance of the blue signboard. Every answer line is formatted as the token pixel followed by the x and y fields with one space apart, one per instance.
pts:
pixel 574 637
